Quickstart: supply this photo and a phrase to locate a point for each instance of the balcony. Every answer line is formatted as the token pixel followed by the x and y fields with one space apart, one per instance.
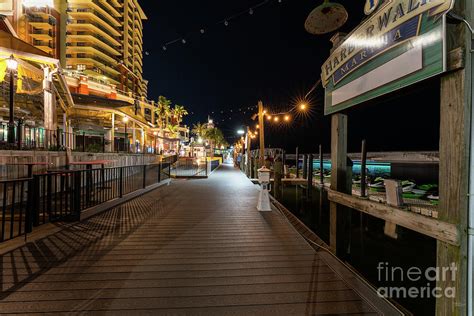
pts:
pixel 93 60
pixel 95 29
pixel 41 23
pixel 104 5
pixel 83 37
pixel 91 49
pixel 42 35
pixel 95 18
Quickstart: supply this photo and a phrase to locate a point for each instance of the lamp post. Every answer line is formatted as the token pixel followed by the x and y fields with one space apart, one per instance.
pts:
pixel 125 121
pixel 12 66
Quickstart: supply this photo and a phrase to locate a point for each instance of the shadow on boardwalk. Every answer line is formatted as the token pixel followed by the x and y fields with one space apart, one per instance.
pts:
pixel 24 264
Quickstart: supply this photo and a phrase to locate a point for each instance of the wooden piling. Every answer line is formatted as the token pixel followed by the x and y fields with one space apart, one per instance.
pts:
pixel 338 181
pixel 321 166
pixel 255 166
pixel 278 170
pixel 305 166
pixel 363 173
pixel 297 160
pixel 309 184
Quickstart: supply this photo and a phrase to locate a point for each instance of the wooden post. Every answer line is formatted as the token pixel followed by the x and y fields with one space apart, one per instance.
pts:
pixel 261 123
pixel 321 166
pixel 297 159
pixel 305 166
pixel 278 170
pixel 453 185
pixel 309 189
pixel 249 156
pixel 363 174
pixel 255 167
pixel 338 180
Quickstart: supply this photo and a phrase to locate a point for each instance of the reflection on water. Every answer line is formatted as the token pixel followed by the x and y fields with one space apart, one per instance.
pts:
pixel 369 246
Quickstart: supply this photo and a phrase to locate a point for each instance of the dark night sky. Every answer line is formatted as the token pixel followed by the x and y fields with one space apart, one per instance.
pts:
pixel 269 56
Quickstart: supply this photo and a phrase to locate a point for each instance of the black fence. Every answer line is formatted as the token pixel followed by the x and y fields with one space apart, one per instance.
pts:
pixel 62 195
pixel 190 168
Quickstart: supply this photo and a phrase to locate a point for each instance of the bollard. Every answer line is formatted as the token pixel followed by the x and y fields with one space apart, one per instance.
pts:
pixel 264 199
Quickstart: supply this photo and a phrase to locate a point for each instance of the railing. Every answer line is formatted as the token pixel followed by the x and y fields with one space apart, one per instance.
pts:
pixel 16 208
pixel 33 138
pixel 62 195
pixel 189 168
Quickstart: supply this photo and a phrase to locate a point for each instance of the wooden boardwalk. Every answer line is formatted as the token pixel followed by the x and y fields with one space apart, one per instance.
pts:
pixel 196 247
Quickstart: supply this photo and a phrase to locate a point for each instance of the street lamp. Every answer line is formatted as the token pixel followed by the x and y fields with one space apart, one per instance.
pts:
pixel 240 132
pixel 125 121
pixel 12 65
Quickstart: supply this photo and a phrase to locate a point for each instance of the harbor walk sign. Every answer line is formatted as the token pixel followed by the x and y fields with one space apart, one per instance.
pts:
pixel 401 43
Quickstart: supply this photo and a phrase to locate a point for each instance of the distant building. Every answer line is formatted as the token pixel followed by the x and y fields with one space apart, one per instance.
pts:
pixel 105 42
pixel 102 39
pixel 41 23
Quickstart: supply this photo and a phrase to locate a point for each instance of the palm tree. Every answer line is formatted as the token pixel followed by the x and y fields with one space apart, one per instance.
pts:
pixel 199 129
pixel 215 136
pixel 173 130
pixel 163 111
pixel 179 112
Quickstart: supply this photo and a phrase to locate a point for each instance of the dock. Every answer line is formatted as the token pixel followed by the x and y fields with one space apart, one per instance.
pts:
pixel 195 247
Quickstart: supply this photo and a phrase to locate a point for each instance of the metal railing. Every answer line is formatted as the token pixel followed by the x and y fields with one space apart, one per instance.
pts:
pixel 189 168
pixel 63 194
pixel 34 138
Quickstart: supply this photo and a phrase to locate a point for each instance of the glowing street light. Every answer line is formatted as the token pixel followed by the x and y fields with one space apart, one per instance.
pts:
pixel 241 132
pixel 12 63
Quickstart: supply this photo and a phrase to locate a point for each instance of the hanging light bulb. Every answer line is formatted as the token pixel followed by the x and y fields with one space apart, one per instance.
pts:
pixel 164 47
pixel 183 41
pixel 203 31
pixel 226 23
pixel 287 118
pixel 276 119
pixel 251 11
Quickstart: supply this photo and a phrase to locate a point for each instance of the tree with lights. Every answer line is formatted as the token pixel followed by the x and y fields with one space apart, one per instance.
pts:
pixel 179 112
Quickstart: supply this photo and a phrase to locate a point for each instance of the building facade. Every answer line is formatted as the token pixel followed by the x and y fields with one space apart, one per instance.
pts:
pixel 105 42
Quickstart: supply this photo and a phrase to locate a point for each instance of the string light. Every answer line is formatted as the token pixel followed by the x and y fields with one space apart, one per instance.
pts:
pixel 287 118
pixel 226 22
